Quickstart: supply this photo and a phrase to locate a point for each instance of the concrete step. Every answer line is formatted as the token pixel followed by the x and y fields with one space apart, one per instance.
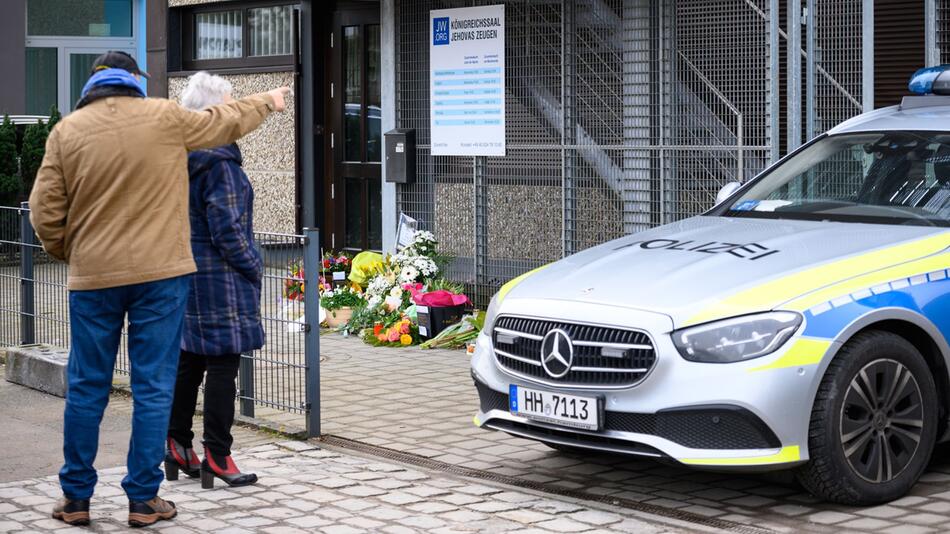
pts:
pixel 41 367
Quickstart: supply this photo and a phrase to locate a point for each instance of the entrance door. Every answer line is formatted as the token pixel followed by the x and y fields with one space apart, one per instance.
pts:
pixel 356 137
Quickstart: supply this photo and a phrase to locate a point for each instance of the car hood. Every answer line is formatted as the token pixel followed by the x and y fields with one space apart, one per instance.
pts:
pixel 691 269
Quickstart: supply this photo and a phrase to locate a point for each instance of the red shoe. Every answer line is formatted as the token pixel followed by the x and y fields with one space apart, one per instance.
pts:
pixel 223 467
pixel 180 458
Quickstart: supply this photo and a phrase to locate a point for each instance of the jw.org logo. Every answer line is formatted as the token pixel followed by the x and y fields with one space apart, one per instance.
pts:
pixel 440 31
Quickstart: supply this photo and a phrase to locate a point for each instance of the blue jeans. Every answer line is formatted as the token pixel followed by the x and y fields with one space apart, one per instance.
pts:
pixel 155 311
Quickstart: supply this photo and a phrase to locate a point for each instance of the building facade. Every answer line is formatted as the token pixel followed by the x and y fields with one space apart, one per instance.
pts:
pixel 620 114
pixel 48 47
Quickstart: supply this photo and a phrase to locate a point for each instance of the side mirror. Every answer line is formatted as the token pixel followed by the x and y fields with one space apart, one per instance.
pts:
pixel 727 191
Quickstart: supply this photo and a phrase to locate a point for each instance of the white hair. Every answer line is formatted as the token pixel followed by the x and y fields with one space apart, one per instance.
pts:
pixel 204 90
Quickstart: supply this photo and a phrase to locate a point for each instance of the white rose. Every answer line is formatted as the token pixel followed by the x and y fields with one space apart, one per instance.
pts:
pixel 396 292
pixel 391 303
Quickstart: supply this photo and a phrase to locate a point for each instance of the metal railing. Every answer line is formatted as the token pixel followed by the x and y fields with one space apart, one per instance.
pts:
pixel 283 375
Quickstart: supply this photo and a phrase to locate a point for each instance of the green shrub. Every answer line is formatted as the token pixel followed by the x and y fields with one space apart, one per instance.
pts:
pixel 54 117
pixel 31 155
pixel 9 178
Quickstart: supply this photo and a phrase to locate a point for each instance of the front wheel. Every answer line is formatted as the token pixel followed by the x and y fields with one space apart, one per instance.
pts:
pixel 874 422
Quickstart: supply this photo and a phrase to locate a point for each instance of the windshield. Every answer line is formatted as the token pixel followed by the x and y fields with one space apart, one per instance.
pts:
pixel 887 178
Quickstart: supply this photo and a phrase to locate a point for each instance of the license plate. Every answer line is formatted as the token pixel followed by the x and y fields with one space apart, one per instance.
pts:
pixel 566 410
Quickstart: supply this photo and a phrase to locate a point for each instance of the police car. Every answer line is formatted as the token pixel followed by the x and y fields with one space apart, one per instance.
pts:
pixel 802 323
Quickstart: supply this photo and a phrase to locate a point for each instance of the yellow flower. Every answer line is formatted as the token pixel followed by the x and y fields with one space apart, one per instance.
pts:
pixel 405 339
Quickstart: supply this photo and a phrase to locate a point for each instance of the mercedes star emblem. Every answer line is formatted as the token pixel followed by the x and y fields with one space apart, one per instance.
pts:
pixel 557 353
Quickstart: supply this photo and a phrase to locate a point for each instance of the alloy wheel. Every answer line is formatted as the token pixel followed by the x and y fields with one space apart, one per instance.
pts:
pixel 882 420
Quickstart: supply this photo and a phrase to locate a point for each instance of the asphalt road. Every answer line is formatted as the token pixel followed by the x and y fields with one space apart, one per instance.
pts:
pixel 31 423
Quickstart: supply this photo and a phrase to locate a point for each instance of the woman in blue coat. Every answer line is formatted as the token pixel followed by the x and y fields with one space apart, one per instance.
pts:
pixel 223 314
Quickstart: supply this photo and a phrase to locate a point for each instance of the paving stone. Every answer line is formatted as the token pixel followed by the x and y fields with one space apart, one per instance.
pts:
pixel 830 518
pixel 362 491
pixel 277 513
pixel 882 512
pixel 342 529
pixel 463 516
pixel 596 517
pixel 908 529
pixel 426 491
pixel 309 522
pixel 284 530
pixel 525 516
pixel 253 521
pixel 460 499
pixel 492 506
pixel 364 523
pixel 399 497
pixel 924 519
pixel 386 513
pixel 562 524
pixel 424 522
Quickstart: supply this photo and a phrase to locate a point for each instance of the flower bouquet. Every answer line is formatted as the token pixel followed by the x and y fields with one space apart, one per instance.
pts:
pixel 339 303
pixel 292 309
pixel 402 333
pixel 336 267
pixel 294 281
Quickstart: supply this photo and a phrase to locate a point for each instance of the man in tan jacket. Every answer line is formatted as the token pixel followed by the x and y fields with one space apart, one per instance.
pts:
pixel 111 200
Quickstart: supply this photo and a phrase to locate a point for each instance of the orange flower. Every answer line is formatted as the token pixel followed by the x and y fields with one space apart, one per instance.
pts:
pixel 405 339
pixel 381 337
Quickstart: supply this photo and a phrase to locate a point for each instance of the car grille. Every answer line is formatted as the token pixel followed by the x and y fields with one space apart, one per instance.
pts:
pixel 603 357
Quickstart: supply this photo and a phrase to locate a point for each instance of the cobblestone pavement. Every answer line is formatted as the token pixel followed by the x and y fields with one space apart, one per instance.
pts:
pixel 305 489
pixel 422 402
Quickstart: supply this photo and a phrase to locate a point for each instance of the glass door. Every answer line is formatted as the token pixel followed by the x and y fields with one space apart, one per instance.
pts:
pixel 356 136
pixel 78 69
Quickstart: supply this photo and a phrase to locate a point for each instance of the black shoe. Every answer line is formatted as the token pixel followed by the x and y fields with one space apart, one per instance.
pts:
pixel 72 512
pixel 145 513
pixel 180 458
pixel 224 468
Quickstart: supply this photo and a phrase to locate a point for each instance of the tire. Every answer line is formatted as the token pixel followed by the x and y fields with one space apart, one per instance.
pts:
pixel 852 424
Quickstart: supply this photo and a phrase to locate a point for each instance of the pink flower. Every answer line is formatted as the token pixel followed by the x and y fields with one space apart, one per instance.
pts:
pixel 393 335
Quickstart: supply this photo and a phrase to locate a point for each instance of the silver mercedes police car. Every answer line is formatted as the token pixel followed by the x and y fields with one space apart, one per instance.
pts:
pixel 802 323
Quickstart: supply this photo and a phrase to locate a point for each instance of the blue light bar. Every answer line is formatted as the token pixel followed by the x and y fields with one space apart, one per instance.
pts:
pixel 931 81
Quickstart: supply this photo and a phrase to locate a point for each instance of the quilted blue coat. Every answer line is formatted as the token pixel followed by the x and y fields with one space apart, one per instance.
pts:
pixel 223 315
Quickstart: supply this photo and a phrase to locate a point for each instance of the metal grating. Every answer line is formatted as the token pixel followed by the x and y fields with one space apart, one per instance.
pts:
pixel 838 65
pixel 942 29
pixel 602 356
pixel 621 115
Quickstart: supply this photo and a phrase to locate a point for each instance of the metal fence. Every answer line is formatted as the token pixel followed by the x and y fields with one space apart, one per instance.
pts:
pixel 283 375
pixel 621 115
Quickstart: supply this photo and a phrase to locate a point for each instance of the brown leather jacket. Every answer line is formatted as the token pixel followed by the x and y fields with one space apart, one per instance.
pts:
pixel 111 197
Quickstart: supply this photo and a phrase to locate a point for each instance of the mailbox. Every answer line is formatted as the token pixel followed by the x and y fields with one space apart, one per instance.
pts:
pixel 400 156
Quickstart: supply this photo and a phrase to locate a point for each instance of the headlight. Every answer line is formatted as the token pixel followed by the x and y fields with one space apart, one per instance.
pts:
pixel 737 339
pixel 490 314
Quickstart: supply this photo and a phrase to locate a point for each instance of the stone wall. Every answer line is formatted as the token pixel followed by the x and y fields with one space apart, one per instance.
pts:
pixel 268 151
pixel 525 222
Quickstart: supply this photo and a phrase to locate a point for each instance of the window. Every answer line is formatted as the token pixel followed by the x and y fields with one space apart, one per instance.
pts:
pixel 218 35
pixel 269 30
pixel 64 37
pixel 79 18
pixel 893 177
pixel 253 35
